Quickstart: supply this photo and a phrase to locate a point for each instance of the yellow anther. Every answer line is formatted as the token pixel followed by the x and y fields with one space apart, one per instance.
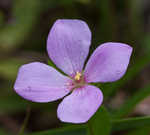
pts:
pixel 78 76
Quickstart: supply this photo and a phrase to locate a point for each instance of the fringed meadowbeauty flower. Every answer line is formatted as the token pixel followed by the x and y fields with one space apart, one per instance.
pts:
pixel 68 46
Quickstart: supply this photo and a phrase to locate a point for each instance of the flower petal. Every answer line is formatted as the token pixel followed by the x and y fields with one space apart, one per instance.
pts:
pixel 68 45
pixel 108 63
pixel 40 83
pixel 80 105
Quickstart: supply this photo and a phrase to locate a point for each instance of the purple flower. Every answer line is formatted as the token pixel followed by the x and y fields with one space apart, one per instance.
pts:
pixel 68 46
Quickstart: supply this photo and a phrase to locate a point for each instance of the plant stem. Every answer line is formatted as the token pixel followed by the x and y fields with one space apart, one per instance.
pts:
pixel 21 132
pixel 90 129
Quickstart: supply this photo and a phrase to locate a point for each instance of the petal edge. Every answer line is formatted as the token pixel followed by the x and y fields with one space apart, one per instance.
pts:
pixel 108 62
pixel 39 82
pixel 68 44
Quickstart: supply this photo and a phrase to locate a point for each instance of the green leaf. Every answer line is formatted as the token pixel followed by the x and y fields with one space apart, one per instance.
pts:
pixel 100 123
pixel 72 130
pixel 132 102
pixel 130 123
pixel 117 125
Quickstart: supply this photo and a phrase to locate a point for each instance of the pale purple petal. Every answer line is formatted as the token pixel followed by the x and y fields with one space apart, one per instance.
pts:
pixel 68 45
pixel 108 63
pixel 40 83
pixel 80 105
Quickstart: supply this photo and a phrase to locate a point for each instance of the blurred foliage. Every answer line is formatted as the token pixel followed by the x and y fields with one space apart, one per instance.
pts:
pixel 24 26
pixel 129 105
pixel 141 131
pixel 13 33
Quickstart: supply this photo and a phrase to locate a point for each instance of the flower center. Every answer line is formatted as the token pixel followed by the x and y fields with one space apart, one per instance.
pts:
pixel 78 80
pixel 78 76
